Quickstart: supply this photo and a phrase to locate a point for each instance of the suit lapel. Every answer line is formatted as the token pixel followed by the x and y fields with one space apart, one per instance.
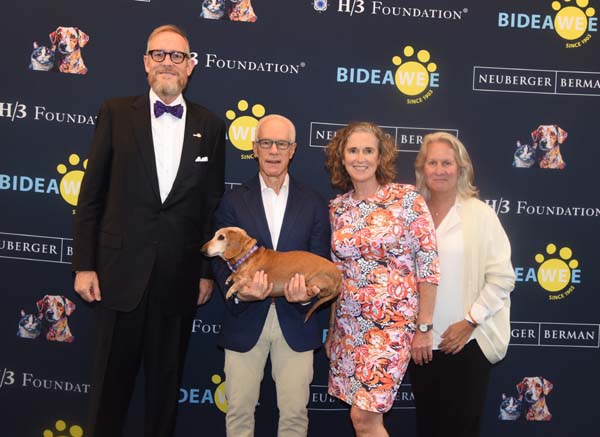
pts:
pixel 143 133
pixel 256 210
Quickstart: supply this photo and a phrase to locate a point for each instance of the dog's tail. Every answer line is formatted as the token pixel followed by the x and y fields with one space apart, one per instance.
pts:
pixel 320 302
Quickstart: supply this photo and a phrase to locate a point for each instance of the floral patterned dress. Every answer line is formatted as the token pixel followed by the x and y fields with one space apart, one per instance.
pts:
pixel 384 245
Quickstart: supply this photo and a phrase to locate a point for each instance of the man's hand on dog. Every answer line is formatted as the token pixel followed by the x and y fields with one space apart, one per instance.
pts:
pixel 296 292
pixel 422 346
pixel 258 289
pixel 87 285
pixel 455 337
pixel 205 289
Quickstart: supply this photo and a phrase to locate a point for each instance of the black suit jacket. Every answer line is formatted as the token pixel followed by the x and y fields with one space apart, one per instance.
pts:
pixel 122 229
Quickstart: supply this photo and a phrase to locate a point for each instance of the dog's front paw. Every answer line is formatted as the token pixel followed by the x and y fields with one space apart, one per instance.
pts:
pixel 231 291
pixel 228 280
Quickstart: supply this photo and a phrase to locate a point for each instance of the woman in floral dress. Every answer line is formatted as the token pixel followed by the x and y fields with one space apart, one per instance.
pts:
pixel 383 240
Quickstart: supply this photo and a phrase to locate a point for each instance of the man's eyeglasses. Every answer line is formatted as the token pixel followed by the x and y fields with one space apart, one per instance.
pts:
pixel 265 143
pixel 160 55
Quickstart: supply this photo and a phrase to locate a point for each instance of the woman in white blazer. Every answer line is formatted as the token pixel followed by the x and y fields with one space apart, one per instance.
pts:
pixel 471 322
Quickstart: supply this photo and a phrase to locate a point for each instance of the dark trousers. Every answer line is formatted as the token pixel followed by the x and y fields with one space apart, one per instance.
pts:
pixel 450 392
pixel 125 340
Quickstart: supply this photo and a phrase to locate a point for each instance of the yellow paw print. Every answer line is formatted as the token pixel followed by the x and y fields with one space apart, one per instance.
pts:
pixel 571 22
pixel 241 131
pixel 412 77
pixel 554 274
pixel 60 426
pixel 219 396
pixel 71 180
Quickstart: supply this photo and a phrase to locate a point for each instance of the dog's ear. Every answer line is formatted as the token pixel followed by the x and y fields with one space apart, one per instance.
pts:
pixel 562 135
pixel 83 37
pixel 521 387
pixel 42 303
pixel 234 244
pixel 535 135
pixel 54 36
pixel 548 386
pixel 69 306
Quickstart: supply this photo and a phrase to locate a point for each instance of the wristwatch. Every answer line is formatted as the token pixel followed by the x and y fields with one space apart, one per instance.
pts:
pixel 424 327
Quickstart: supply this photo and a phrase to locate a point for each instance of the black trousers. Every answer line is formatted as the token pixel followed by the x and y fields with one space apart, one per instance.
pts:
pixel 125 341
pixel 450 392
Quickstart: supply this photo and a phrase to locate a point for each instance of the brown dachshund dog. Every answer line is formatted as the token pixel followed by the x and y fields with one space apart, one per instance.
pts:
pixel 235 245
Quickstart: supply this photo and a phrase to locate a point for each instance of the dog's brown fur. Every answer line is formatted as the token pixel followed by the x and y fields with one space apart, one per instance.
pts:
pixel 69 41
pixel 233 243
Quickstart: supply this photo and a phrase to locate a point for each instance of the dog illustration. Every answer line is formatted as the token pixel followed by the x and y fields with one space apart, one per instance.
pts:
pixel 68 42
pixel 241 10
pixel 524 156
pixel 55 309
pixel 548 138
pixel 213 9
pixel 534 390
pixel 245 258
pixel 42 58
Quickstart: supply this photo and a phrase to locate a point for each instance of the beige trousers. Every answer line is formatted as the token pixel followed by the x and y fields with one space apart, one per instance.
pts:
pixel 292 372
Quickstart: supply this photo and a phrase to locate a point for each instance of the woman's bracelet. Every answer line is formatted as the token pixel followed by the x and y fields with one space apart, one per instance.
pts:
pixel 470 320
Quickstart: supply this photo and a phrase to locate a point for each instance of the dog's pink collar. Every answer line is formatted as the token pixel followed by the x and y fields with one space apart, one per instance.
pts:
pixel 239 262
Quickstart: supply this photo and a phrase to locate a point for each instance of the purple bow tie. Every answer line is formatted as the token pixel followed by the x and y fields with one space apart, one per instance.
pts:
pixel 160 108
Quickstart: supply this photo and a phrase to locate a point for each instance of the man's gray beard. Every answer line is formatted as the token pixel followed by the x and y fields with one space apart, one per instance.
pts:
pixel 168 88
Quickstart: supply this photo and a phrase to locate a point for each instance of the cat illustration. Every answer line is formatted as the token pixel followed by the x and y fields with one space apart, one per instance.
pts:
pixel 510 408
pixel 524 156
pixel 42 58
pixel 30 326
pixel 213 9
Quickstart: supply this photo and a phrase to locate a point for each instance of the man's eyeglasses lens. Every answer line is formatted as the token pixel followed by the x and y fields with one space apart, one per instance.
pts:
pixel 160 55
pixel 281 144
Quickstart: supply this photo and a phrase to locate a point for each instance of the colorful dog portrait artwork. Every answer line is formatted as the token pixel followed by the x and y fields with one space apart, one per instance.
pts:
pixel 544 150
pixel 529 403
pixel 63 55
pixel 548 138
pixel 232 10
pixel 54 311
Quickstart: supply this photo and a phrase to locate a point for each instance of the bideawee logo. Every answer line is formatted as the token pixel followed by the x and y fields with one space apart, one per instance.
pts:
pixel 557 272
pixel 68 187
pixel 243 126
pixel 415 76
pixel 573 21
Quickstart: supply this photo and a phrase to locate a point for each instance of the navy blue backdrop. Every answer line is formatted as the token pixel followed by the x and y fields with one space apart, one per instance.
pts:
pixel 502 75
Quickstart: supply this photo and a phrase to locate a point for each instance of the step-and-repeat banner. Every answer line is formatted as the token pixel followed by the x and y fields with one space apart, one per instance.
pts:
pixel 517 81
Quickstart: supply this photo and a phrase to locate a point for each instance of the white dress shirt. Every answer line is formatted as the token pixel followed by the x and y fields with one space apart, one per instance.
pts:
pixel 167 136
pixel 449 299
pixel 274 205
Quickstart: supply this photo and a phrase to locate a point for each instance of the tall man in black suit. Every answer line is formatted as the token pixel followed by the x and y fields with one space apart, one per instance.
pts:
pixel 154 178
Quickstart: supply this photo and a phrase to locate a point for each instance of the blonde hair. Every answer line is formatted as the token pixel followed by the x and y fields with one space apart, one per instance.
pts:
pixel 465 185
pixel 386 170
pixel 168 28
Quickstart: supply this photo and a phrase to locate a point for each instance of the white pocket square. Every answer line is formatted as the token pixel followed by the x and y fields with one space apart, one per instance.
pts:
pixel 201 159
